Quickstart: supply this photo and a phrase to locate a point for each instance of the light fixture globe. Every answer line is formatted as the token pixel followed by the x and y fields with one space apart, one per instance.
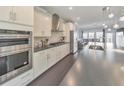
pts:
pixel 121 18
pixel 111 15
pixel 115 26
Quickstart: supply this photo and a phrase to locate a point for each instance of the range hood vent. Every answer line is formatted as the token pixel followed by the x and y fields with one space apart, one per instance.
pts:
pixel 55 22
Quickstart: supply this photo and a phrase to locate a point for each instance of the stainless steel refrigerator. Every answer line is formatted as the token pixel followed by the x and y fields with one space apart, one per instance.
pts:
pixel 73 41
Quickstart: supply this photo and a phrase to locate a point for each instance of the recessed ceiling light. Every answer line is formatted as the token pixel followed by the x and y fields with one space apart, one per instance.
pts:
pixel 115 26
pixel 121 18
pixel 105 26
pixel 78 18
pixel 109 29
pixel 70 8
pixel 111 15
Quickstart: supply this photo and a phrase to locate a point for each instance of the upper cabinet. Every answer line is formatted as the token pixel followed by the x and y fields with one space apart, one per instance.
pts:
pixel 16 17
pixel 64 33
pixel 6 13
pixel 23 15
pixel 17 14
pixel 42 23
pixel 71 26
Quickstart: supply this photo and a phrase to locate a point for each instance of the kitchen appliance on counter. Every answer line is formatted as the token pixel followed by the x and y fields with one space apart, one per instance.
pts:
pixel 15 53
pixel 73 41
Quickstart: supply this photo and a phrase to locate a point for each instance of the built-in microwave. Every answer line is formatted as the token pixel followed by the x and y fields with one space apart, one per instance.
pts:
pixel 15 53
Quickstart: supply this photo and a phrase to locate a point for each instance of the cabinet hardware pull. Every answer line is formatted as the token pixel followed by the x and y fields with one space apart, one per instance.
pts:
pixel 10 15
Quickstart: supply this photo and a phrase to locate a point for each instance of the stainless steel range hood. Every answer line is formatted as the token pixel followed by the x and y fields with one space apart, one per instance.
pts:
pixel 55 22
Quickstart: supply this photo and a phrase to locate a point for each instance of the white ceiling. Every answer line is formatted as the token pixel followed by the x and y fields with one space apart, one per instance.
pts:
pixel 90 16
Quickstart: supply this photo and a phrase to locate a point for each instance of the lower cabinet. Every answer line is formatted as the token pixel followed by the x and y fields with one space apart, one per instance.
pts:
pixel 67 49
pixel 51 56
pixel 59 53
pixel 21 80
pixel 40 62
pixel 46 58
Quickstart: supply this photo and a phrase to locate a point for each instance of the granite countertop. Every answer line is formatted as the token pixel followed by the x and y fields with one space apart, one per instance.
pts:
pixel 49 46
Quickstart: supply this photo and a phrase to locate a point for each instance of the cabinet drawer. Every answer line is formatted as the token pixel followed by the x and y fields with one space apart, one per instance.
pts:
pixel 26 78
pixel 21 80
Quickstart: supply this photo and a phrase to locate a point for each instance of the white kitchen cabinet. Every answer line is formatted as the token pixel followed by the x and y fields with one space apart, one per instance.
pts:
pixel 51 56
pixel 6 13
pixel 67 31
pixel 21 80
pixel 16 18
pixel 42 23
pixel 58 53
pixel 64 51
pixel 23 15
pixel 17 14
pixel 69 27
pixel 40 63
pixel 68 48
pixel 61 51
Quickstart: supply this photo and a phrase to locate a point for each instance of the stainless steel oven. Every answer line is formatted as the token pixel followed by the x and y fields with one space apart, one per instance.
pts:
pixel 15 53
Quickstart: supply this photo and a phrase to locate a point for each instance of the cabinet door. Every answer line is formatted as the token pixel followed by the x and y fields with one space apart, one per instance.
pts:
pixel 21 80
pixel 51 56
pixel 46 25
pixel 26 78
pixel 68 48
pixel 67 31
pixel 64 51
pixel 40 63
pixel 24 15
pixel 37 23
pixel 5 12
pixel 59 53
pixel 42 23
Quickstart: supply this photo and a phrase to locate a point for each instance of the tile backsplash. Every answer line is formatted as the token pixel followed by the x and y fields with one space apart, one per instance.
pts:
pixel 55 37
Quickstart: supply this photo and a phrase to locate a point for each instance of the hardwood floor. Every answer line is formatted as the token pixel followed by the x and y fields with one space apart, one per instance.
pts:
pixel 96 68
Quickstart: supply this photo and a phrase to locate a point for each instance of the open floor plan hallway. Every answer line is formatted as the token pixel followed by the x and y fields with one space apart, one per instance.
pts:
pixel 97 68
